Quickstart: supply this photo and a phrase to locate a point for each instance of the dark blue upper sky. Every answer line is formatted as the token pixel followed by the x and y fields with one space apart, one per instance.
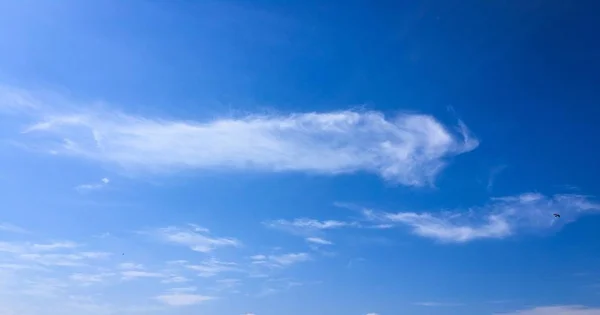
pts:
pixel 321 144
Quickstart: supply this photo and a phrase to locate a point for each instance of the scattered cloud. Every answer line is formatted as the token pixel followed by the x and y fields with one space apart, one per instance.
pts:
pixel 500 218
pixel 196 240
pixel 409 149
pixel 556 310
pixel 318 241
pixel 372 313
pixel 183 299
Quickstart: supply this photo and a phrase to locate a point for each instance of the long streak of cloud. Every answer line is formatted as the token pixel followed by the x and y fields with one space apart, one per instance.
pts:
pixel 409 149
pixel 501 218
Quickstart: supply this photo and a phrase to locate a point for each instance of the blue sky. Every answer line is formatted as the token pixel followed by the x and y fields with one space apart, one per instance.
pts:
pixel 262 157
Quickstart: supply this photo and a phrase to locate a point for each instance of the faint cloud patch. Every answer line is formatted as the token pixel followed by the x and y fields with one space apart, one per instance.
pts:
pixel 493 175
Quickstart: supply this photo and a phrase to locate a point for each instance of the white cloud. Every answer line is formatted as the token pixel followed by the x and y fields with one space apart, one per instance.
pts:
pixel 213 267
pixel 90 278
pixel 319 241
pixel 409 149
pixel 130 266
pixel 500 218
pixel 132 274
pixel 556 310
pixel 283 260
pixel 54 246
pixel 65 260
pixel 183 289
pixel 50 254
pixel 258 257
pixel 183 299
pixel 197 240
pixel 95 186
pixel 308 224
pixel 372 313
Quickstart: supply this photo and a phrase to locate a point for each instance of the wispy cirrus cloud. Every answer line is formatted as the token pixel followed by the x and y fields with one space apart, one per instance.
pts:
pixel 313 231
pixel 196 239
pixel 318 241
pixel 305 224
pixel 556 310
pixel 134 274
pixel 408 149
pixel 500 218
pixel 183 299
pixel 281 260
pixel 212 267
pixel 91 278
pixel 94 186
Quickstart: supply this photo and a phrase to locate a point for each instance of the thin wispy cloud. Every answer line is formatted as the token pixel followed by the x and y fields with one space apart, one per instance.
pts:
pixel 54 246
pixel 307 224
pixel 310 229
pixel 318 241
pixel 501 218
pixel 556 310
pixel 212 267
pixel 134 274
pixel 408 149
pixel 283 260
pixel 196 240
pixel 95 186
pixel 130 266
pixel 87 279
pixel 183 299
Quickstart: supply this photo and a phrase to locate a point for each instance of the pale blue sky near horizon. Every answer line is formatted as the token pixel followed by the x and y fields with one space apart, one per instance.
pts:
pixel 265 157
